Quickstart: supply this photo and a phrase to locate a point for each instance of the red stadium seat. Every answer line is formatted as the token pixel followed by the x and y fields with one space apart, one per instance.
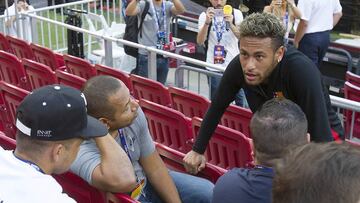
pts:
pixel 237 118
pixel 227 148
pixel 352 92
pixel 151 90
pixel 173 160
pixel 79 67
pixel 12 71
pixel 69 79
pixel 4 44
pixel 6 142
pixel 20 48
pixel 352 78
pixel 167 126
pixel 188 103
pixel 47 57
pixel 11 97
pixel 82 192
pixel 38 74
pixel 124 77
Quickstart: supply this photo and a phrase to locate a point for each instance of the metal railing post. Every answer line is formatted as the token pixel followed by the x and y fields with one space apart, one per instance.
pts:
pixel 108 53
pixel 152 65
pixel 34 31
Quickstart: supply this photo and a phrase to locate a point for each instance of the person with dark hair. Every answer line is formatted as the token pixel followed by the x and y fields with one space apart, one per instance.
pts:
pixel 276 127
pixel 319 173
pixel 51 124
pixel 156 32
pixel 10 13
pixel 102 164
pixel 266 69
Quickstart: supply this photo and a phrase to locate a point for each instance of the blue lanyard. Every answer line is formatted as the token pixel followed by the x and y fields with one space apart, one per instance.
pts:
pixel 123 143
pixel 264 168
pixel 157 18
pixel 32 164
pixel 219 29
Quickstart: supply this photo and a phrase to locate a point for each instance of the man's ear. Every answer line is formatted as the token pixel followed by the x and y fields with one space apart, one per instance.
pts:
pixel 105 121
pixel 308 137
pixel 57 151
pixel 280 53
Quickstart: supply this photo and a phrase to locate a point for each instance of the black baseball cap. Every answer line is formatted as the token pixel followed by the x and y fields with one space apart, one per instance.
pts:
pixel 57 112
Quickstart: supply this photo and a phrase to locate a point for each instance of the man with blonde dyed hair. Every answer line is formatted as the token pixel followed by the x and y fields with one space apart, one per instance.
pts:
pixel 265 69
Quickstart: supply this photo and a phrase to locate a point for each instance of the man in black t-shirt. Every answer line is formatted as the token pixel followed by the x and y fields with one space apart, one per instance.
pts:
pixel 266 69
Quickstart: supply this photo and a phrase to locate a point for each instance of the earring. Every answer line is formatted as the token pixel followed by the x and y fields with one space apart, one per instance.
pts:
pixel 279 59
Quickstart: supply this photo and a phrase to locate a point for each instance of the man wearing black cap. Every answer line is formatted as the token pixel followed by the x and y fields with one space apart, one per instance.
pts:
pixel 52 122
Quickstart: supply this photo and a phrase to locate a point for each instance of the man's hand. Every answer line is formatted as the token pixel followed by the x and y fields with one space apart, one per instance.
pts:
pixel 194 162
pixel 209 15
pixel 296 44
pixel 229 18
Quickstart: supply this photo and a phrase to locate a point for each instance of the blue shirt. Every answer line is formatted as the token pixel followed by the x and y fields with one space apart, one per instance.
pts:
pixel 244 185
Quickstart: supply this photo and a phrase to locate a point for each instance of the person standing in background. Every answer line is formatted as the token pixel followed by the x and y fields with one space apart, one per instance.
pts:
pixel 313 31
pixel 286 11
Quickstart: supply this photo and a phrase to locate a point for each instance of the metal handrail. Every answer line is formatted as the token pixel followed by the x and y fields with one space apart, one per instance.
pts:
pixel 128 43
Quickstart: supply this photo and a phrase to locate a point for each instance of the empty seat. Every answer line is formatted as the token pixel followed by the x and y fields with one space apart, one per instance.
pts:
pixel 188 103
pixel 4 44
pixel 20 48
pixel 6 142
pixel 38 74
pixel 352 92
pixel 151 90
pixel 12 71
pixel 227 148
pixel 11 97
pixel 124 77
pixel 167 126
pixel 69 79
pixel 79 67
pixel 47 57
pixel 237 118
pixel 173 160
pixel 352 78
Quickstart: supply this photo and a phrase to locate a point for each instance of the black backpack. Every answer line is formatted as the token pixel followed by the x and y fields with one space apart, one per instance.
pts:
pixel 132 30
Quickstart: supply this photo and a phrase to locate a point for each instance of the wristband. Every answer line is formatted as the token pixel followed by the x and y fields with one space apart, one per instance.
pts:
pixel 207 23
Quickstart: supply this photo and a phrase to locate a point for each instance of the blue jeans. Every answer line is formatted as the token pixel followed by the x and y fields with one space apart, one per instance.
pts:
pixel 315 45
pixel 191 189
pixel 240 99
pixel 162 67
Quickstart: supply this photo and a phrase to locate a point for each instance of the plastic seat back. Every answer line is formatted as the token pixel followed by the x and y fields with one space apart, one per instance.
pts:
pixel 20 48
pixel 188 103
pixel 79 189
pixel 173 160
pixel 167 126
pixel 11 97
pixel 38 74
pixel 6 142
pixel 353 78
pixel 12 71
pixel 4 44
pixel 151 90
pixel 124 77
pixel 79 67
pixel 69 79
pixel 227 148
pixel 237 118
pixel 352 92
pixel 45 56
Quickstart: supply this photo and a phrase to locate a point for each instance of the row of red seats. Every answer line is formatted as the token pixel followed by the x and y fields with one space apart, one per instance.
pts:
pixel 352 92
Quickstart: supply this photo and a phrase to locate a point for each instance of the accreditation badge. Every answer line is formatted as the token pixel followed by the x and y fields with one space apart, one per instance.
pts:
pixel 135 194
pixel 219 54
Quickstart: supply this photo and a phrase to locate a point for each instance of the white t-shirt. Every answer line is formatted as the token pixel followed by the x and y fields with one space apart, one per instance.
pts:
pixel 318 13
pixel 23 22
pixel 20 182
pixel 229 40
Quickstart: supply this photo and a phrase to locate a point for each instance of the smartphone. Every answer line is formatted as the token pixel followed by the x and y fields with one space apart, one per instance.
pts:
pixel 218 12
